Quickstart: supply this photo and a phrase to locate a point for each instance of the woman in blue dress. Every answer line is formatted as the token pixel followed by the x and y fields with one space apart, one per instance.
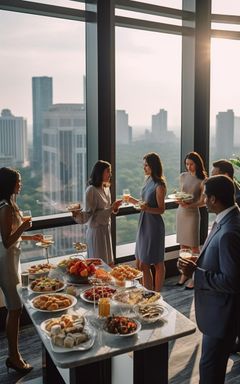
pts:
pixel 150 242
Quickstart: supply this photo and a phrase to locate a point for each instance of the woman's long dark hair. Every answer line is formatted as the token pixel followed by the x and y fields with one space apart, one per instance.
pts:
pixel 96 177
pixel 8 181
pixel 154 162
pixel 201 172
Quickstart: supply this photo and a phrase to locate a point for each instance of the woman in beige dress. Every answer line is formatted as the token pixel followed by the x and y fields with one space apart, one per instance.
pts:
pixel 98 212
pixel 188 215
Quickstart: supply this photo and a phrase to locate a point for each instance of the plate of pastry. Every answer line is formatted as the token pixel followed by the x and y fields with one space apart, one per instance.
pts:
pixel 126 272
pixel 69 333
pixel 53 302
pixel 66 322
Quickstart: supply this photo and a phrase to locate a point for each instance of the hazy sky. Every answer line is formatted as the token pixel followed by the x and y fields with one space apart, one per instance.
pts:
pixel 148 66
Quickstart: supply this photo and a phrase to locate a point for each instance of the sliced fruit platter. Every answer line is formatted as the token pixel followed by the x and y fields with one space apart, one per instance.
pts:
pixel 134 296
pixel 77 270
pixel 93 294
pixel 121 326
pixel 68 333
pixel 53 302
pixel 46 284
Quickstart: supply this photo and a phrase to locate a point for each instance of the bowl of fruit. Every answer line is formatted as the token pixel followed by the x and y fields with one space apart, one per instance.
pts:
pixel 79 270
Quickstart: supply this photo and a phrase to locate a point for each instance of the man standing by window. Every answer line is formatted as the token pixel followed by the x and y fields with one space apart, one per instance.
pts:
pixel 217 280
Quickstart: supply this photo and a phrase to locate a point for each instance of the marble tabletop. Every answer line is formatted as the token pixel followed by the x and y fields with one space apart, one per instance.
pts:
pixel 173 326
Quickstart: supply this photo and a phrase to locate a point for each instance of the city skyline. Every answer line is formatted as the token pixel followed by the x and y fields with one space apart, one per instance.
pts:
pixel 149 63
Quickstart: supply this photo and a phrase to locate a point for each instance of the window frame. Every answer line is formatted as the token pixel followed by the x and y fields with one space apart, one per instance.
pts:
pixel 100 20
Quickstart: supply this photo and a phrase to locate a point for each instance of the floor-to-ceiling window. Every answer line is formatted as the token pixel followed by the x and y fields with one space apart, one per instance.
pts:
pixel 148 114
pixel 43 112
pixel 225 81
pixel 42 74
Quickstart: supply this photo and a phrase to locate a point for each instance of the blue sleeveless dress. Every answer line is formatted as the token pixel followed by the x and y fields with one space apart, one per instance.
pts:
pixel 150 242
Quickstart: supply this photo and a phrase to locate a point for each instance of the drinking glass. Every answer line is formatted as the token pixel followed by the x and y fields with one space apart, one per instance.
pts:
pixel 126 196
pixel 26 215
pixel 25 279
pixel 185 253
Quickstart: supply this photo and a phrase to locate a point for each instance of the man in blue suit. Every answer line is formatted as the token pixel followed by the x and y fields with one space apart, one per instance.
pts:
pixel 217 280
pixel 225 167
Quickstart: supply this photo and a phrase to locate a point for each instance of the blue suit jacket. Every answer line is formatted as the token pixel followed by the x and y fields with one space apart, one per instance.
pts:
pixel 217 279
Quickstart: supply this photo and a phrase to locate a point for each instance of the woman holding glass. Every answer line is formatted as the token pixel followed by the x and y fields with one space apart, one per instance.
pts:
pixel 188 215
pixel 150 242
pixel 99 209
pixel 12 226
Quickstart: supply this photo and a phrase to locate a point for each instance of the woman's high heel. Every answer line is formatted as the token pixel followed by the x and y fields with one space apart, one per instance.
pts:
pixel 182 283
pixel 23 370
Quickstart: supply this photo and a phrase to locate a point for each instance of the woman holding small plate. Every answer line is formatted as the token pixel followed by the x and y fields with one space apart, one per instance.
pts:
pixel 188 215
pixel 99 208
pixel 150 242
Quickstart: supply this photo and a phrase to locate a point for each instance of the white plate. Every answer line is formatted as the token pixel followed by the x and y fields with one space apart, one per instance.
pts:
pixel 47 292
pixel 69 209
pixel 124 283
pixel 81 347
pixel 164 313
pixel 34 276
pixel 175 197
pixel 45 322
pixel 130 291
pixel 137 277
pixel 72 298
pixel 127 334
pixel 92 301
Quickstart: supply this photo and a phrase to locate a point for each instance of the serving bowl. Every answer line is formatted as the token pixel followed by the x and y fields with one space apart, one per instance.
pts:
pixel 150 313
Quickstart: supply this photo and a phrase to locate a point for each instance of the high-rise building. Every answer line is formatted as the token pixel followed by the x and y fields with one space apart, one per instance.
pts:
pixel 237 131
pixel 224 134
pixel 13 139
pixel 123 130
pixel 160 132
pixel 64 163
pixel 159 125
pixel 42 99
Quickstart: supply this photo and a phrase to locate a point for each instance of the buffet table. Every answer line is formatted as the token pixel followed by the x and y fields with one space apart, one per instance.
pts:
pixel 148 349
